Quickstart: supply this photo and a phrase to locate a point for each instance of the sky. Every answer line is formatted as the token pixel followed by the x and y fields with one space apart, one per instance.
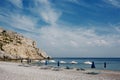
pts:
pixel 66 28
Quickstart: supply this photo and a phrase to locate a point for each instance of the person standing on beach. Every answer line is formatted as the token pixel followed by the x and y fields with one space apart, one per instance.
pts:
pixel 104 64
pixel 93 65
pixel 58 64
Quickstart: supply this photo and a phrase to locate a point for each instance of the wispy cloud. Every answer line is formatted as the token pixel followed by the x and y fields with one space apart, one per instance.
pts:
pixel 63 39
pixel 48 14
pixel 42 8
pixel 23 22
pixel 115 3
pixel 78 37
pixel 73 1
pixel 17 3
pixel 116 27
pixel 57 38
pixel 19 21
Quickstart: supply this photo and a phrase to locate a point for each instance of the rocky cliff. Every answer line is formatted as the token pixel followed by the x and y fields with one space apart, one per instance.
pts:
pixel 15 46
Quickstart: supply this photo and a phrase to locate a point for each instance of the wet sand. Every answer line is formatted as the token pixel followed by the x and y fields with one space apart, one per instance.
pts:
pixel 18 71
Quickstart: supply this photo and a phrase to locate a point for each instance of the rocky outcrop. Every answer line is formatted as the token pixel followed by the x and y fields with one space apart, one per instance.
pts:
pixel 15 46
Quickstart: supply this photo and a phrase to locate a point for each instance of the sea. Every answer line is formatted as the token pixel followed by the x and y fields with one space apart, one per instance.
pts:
pixel 81 63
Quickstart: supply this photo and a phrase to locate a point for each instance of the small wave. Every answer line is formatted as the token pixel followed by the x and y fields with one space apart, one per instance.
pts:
pixel 87 62
pixel 73 62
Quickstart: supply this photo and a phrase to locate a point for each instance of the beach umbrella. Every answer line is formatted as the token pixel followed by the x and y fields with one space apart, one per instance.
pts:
pixel 58 63
pixel 93 65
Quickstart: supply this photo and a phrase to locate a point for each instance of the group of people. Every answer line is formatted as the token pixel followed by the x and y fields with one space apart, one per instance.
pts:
pixel 58 63
pixel 93 65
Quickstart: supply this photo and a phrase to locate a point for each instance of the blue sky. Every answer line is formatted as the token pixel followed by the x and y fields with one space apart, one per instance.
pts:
pixel 66 28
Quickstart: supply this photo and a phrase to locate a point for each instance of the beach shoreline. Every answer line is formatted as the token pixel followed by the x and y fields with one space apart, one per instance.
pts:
pixel 18 71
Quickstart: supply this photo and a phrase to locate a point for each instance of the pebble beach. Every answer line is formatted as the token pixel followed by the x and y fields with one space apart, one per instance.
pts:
pixel 18 71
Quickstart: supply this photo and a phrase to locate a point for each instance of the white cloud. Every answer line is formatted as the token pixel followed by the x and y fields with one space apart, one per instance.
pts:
pixel 43 8
pixel 19 21
pixel 17 3
pixel 115 27
pixel 118 29
pixel 23 22
pixel 99 43
pixel 48 14
pixel 74 43
pixel 64 41
pixel 78 37
pixel 115 3
pixel 74 1
pixel 56 39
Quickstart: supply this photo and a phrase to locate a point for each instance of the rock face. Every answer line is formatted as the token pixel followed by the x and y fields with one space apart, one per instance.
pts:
pixel 15 46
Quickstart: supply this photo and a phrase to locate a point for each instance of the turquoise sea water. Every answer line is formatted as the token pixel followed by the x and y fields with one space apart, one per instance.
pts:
pixel 111 63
